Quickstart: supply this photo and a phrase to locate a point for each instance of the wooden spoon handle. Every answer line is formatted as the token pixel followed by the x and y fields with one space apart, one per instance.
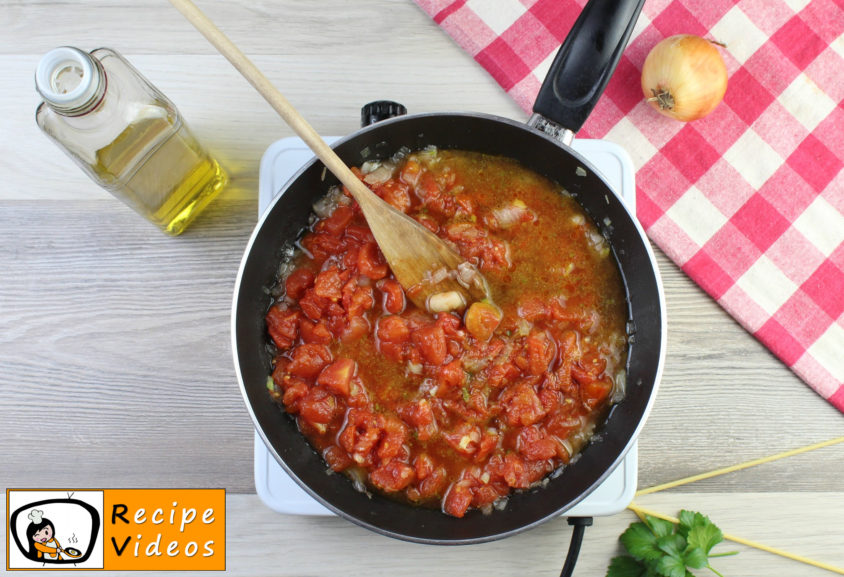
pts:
pixel 272 95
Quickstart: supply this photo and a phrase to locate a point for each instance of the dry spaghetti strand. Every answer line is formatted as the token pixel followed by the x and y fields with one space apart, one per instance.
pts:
pixel 738 467
pixel 641 512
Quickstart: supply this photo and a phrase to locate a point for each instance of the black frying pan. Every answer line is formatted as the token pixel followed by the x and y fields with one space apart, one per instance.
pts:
pixel 577 78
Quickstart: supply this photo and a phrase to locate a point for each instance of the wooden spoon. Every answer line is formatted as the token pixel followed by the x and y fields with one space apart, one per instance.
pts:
pixel 433 274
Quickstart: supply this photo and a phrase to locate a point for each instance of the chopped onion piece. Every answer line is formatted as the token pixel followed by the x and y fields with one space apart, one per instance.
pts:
pixel 445 302
pixel 619 387
pixel 523 327
pixel 378 174
pixel 439 275
pixel 514 213
pixel 326 205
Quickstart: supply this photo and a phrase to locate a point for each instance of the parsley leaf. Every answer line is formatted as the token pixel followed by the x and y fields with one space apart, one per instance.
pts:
pixel 640 542
pixel 704 534
pixel 671 567
pixel 659 527
pixel 624 566
pixel 660 548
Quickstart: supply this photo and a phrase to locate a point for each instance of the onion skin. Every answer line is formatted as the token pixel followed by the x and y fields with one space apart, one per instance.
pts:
pixel 684 77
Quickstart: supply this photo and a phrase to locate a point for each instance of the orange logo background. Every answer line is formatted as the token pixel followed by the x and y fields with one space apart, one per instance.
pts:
pixel 165 529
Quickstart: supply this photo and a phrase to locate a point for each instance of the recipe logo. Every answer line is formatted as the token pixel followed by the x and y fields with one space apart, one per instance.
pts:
pixel 116 529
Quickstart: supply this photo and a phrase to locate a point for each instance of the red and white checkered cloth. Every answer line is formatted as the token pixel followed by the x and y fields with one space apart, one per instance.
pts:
pixel 748 201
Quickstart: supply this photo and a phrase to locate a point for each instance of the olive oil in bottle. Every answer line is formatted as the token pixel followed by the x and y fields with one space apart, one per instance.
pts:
pixel 126 135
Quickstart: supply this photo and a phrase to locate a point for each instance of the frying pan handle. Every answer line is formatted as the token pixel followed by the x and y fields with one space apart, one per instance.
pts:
pixel 586 60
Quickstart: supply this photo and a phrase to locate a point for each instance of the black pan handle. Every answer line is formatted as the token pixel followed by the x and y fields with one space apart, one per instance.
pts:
pixel 586 60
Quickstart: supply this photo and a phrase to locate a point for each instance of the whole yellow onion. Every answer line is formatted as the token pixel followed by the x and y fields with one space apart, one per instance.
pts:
pixel 684 77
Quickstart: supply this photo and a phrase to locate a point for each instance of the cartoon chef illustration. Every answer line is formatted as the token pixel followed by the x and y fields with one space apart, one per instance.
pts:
pixel 40 535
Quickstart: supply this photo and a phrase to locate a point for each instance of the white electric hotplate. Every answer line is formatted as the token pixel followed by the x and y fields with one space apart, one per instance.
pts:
pixel 279 492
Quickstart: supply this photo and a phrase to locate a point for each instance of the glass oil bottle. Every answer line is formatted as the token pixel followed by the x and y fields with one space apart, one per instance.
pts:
pixel 126 135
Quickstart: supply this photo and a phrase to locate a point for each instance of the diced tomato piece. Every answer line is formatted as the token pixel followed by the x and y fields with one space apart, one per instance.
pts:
pixel 337 458
pixel 337 376
pixel 453 347
pixel 428 222
pixel 420 416
pixel 521 404
pixel 312 305
pixel 336 319
pixel 359 233
pixel 294 391
pixel 442 204
pixel 316 333
pixel 589 369
pixel 297 281
pixel 540 351
pixel 502 374
pixel 410 172
pixel 475 242
pixel 308 360
pixel 549 396
pixel 357 329
pixel 357 299
pixel 433 484
pixel 360 435
pixel 594 393
pixel 319 407
pixel 427 186
pixel 458 499
pixel 371 262
pixel 321 246
pixel 338 221
pixel 465 205
pixel 329 284
pixel 569 346
pixel 467 235
pixel 465 438
pixel 561 425
pixel 392 476
pixel 396 194
pixel 451 374
pixel 280 370
pixel 489 442
pixel 424 466
pixel 495 255
pixel 394 351
pixel 450 324
pixel 393 329
pixel 358 397
pixel 394 299
pixel 568 354
pixel 430 340
pixel 593 362
pixel 532 308
pixel 393 439
pixel 487 494
pixel 573 314
pixel 350 257
pixel 482 319
pixel 535 446
pixel 283 326
pixel 514 471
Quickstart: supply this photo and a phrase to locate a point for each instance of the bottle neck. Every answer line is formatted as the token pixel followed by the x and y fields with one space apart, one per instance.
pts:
pixel 70 81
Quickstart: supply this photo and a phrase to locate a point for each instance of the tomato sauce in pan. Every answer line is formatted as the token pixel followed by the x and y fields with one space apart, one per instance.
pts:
pixel 454 409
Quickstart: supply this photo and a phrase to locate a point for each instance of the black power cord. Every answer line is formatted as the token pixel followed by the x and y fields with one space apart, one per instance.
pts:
pixel 579 524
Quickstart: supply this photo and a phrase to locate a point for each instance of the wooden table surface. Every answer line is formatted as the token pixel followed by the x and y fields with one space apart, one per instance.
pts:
pixel 115 363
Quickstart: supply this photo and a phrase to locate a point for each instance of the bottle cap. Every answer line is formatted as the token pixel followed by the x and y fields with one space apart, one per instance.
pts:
pixel 67 79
